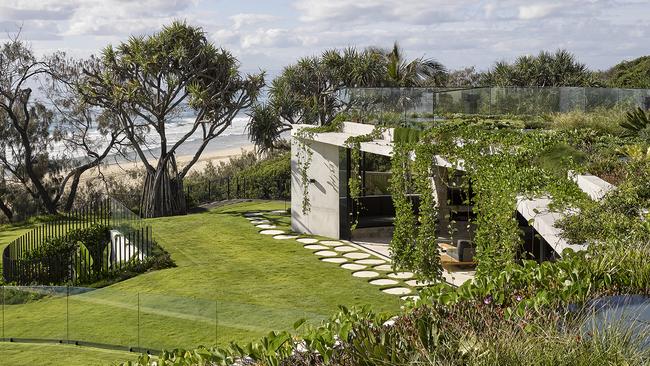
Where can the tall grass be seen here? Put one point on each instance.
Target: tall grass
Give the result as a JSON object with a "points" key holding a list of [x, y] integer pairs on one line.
{"points": [[605, 120]]}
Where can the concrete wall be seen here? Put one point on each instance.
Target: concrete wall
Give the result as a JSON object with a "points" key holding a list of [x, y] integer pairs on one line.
{"points": [[323, 215]]}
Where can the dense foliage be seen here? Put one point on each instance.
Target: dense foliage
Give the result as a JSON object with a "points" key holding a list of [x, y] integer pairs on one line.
{"points": [[630, 74], [247, 176], [546, 69]]}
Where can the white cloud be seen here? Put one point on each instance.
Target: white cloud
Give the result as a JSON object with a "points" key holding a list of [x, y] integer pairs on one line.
{"points": [[536, 11], [245, 19], [457, 32]]}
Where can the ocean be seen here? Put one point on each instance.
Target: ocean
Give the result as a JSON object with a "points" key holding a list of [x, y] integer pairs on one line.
{"points": [[233, 137]]}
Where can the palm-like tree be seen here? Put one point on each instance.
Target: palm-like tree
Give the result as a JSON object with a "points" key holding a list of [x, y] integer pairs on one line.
{"points": [[418, 72]]}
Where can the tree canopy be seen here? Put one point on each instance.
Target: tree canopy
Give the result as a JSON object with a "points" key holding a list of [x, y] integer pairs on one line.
{"points": [[546, 69], [32, 123], [148, 81], [630, 74]]}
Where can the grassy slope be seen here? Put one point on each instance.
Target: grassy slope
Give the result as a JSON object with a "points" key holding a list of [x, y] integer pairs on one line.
{"points": [[9, 233], [17, 354], [257, 283]]}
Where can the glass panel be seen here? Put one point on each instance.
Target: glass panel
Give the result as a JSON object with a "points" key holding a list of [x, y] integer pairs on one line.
{"points": [[34, 312], [103, 316], [168, 322]]}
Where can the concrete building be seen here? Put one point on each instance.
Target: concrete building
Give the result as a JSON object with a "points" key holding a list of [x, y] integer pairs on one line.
{"points": [[331, 211]]}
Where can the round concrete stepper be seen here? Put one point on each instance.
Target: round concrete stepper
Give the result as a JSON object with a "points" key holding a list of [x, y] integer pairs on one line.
{"points": [[271, 232], [397, 290], [401, 275], [417, 283], [258, 222], [307, 240], [383, 282], [285, 237], [383, 267], [334, 260], [356, 255], [371, 262], [352, 266], [326, 253], [345, 249], [365, 274], [315, 247], [411, 297], [332, 243], [279, 211], [265, 226], [252, 214]]}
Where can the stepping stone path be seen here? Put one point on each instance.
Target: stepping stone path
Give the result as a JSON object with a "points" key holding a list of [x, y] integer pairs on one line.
{"points": [[334, 260], [345, 249], [356, 255], [342, 252], [383, 282], [352, 266], [416, 283], [285, 237], [365, 274], [265, 226], [371, 262], [315, 247], [384, 267], [397, 291], [271, 232], [332, 243], [326, 253], [401, 275]]}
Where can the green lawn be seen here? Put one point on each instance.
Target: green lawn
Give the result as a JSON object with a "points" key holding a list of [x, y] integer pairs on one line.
{"points": [[22, 354], [245, 285]]}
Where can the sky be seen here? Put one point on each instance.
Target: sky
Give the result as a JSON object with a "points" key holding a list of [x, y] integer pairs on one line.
{"points": [[267, 35]]}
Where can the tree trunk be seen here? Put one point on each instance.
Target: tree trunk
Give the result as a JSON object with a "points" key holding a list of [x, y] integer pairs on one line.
{"points": [[6, 210], [163, 193]]}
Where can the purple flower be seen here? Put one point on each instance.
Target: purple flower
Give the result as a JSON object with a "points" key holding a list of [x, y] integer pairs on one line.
{"points": [[519, 298], [488, 300]]}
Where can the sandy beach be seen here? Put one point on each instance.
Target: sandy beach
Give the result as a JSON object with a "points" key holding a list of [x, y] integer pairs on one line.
{"points": [[216, 156]]}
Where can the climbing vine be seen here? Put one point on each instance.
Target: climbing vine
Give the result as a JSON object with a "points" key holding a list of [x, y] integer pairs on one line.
{"points": [[403, 243], [427, 264], [354, 181], [499, 164]]}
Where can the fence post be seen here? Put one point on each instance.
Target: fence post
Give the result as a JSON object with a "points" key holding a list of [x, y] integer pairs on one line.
{"points": [[67, 314], [3, 313], [138, 321]]}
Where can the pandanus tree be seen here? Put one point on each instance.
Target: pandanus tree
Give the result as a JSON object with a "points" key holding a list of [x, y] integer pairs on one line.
{"points": [[149, 81], [560, 68]]}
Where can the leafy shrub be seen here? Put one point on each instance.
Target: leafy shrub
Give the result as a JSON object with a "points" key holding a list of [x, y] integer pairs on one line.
{"points": [[245, 176]]}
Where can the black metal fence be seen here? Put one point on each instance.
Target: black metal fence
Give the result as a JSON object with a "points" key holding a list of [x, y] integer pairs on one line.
{"points": [[32, 258], [200, 192]]}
